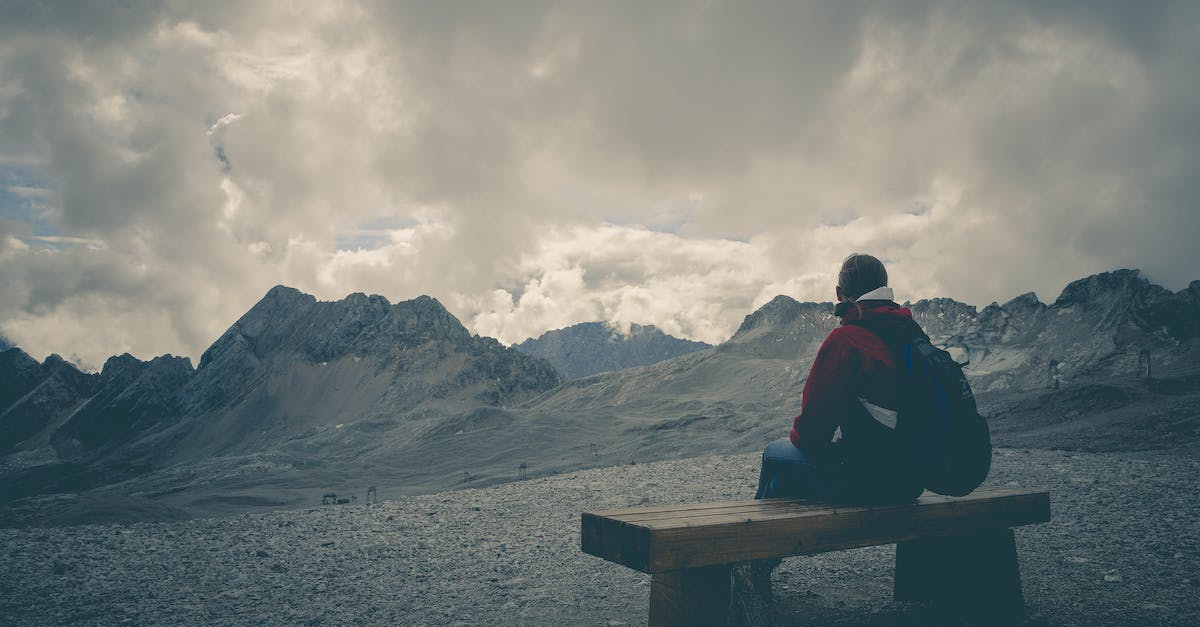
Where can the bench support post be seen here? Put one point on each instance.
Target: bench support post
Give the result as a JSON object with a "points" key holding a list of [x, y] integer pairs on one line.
{"points": [[696, 596], [973, 574]]}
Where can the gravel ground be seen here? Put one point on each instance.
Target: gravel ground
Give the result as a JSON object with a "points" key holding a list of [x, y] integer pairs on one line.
{"points": [[1123, 548]]}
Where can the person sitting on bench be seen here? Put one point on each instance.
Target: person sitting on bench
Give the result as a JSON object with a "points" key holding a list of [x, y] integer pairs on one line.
{"points": [[843, 446]]}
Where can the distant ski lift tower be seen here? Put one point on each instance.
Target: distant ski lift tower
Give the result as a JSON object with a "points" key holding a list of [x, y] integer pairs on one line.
{"points": [[372, 495], [521, 472], [1144, 364]]}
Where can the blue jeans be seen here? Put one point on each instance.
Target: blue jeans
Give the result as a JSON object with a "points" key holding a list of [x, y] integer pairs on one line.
{"points": [[788, 471]]}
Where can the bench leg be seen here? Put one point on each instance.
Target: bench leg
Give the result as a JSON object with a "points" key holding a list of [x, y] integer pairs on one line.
{"points": [[697, 596], [735, 595], [973, 574]]}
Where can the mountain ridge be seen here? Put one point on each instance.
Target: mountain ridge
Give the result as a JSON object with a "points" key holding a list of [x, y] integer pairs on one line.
{"points": [[589, 348], [291, 367], [300, 393]]}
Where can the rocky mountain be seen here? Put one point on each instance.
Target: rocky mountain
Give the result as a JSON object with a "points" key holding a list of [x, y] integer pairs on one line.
{"points": [[784, 328], [590, 347], [19, 374], [301, 397], [293, 364], [130, 398], [743, 392], [36, 397], [1116, 323], [293, 384]]}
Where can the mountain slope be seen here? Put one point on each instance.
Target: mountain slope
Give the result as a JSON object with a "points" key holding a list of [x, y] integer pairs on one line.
{"points": [[132, 397], [38, 396], [590, 347], [741, 394], [301, 397], [1103, 325], [292, 364], [296, 392]]}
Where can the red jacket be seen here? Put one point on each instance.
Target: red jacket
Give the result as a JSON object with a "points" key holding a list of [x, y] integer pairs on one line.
{"points": [[852, 363]]}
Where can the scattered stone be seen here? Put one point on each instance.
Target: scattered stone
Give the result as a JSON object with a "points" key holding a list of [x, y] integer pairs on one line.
{"points": [[517, 560]]}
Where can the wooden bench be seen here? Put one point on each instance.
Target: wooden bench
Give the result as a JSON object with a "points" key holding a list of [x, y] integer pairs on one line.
{"points": [[954, 552]]}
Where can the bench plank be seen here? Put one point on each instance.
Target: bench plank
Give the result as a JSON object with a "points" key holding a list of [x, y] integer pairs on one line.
{"points": [[660, 539], [668, 518]]}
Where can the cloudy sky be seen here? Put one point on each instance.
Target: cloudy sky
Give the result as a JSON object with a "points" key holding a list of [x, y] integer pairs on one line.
{"points": [[533, 165]]}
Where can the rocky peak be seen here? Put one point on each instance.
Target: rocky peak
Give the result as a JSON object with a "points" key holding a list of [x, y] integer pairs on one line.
{"points": [[280, 305], [1118, 285], [54, 362], [1125, 299], [35, 396], [783, 311], [992, 311], [15, 359], [169, 365], [991, 325], [19, 373], [288, 323], [642, 329], [1191, 293], [56, 366], [287, 328], [941, 317], [121, 369], [783, 329], [942, 308], [282, 295], [135, 396], [1019, 316], [588, 348], [425, 318], [1023, 303]]}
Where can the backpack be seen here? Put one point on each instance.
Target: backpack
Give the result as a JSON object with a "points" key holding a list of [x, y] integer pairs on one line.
{"points": [[942, 435]]}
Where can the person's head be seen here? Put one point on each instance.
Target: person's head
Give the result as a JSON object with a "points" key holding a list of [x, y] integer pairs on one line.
{"points": [[860, 274]]}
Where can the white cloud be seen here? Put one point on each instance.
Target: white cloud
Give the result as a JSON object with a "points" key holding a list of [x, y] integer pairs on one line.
{"points": [[688, 287], [537, 165]]}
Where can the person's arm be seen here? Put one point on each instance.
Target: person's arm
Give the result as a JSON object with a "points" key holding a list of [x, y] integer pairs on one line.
{"points": [[828, 391]]}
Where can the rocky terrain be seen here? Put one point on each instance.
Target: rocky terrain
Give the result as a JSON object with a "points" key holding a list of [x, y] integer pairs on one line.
{"points": [[285, 398], [1106, 414], [592, 347], [1123, 547], [1094, 396], [301, 398]]}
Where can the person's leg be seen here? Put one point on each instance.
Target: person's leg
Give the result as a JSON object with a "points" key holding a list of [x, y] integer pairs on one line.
{"points": [[785, 471], [788, 471]]}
